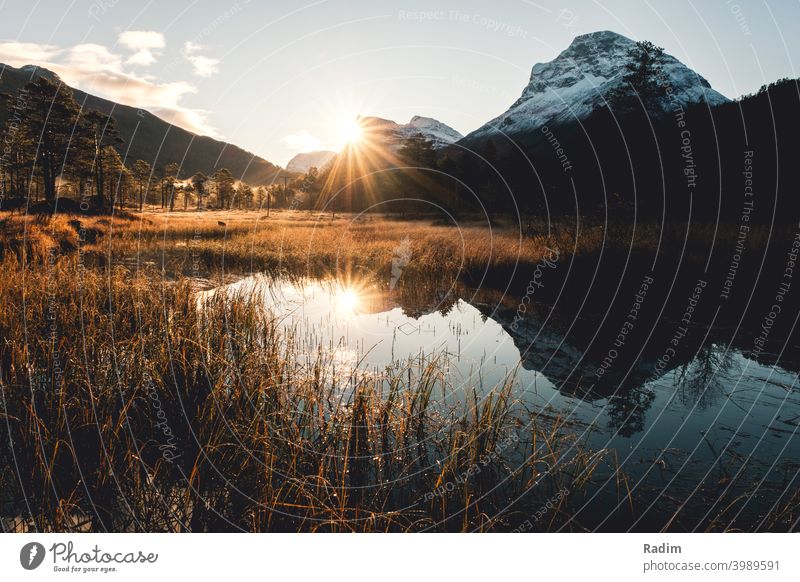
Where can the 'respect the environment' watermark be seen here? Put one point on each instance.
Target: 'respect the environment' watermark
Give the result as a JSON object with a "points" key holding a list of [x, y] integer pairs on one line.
{"points": [[748, 205]]}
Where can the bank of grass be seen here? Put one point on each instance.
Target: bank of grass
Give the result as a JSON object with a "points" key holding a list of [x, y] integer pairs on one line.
{"points": [[124, 407], [318, 245], [299, 242]]}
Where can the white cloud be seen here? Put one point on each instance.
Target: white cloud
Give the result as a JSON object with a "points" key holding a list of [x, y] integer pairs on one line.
{"points": [[191, 48], [144, 43], [95, 69], [90, 58], [302, 141], [202, 66], [183, 117], [29, 52]]}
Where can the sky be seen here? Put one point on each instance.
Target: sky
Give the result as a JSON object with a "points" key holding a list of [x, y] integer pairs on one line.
{"points": [[280, 77]]}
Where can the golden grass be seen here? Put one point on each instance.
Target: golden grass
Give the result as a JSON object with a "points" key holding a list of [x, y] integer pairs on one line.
{"points": [[297, 242], [315, 244], [124, 407], [100, 352]]}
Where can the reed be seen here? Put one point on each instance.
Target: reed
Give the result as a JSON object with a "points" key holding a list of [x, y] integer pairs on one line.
{"points": [[128, 406]]}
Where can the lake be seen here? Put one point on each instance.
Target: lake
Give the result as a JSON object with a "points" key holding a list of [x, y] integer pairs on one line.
{"points": [[682, 426]]}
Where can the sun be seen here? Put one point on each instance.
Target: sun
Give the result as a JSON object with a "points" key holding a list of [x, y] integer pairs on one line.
{"points": [[349, 131], [347, 300]]}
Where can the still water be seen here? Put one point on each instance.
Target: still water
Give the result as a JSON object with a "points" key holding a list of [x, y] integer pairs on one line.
{"points": [[714, 420]]}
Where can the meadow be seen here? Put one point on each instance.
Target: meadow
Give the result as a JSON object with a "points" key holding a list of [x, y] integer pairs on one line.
{"points": [[470, 249], [130, 409], [130, 405]]}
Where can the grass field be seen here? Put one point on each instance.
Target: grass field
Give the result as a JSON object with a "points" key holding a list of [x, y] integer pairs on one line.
{"points": [[131, 409], [301, 242], [137, 411]]}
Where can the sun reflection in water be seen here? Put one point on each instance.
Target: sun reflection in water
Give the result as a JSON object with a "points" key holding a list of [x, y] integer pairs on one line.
{"points": [[347, 300]]}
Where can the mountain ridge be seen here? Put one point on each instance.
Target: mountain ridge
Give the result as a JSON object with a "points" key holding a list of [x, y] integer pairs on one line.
{"points": [[577, 81], [439, 134], [304, 161], [152, 139]]}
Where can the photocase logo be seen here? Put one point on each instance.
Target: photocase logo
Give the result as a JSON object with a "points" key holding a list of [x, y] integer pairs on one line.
{"points": [[31, 555]]}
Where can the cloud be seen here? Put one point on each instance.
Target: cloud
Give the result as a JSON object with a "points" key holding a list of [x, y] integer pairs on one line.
{"points": [[28, 51], [90, 58], [182, 117], [302, 141], [93, 68], [144, 43], [202, 66]]}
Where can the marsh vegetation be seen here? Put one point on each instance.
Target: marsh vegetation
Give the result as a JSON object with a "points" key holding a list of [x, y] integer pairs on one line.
{"points": [[137, 398]]}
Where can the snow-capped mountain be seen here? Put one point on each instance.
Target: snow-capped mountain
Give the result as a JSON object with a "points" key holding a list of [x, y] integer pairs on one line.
{"points": [[391, 133], [576, 82], [303, 162], [385, 133], [436, 132]]}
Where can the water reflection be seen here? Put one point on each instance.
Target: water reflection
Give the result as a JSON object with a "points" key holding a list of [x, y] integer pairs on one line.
{"points": [[685, 417]]}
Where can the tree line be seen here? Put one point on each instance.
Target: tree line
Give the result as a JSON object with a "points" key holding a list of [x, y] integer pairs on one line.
{"points": [[53, 148]]}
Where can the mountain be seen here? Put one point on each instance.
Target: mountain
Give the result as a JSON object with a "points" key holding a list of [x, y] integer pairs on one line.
{"points": [[436, 132], [560, 150], [301, 163], [384, 133], [152, 139], [391, 133], [575, 84]]}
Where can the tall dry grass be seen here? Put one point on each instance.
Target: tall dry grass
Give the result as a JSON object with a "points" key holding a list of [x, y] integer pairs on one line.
{"points": [[125, 407], [297, 242]]}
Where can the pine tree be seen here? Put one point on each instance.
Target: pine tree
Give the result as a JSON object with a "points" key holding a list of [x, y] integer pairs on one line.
{"points": [[141, 173], [418, 152], [50, 121], [101, 135], [199, 181], [170, 177], [640, 79], [224, 182], [116, 177]]}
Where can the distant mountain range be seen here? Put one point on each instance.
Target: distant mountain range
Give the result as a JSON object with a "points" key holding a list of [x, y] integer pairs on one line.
{"points": [[149, 138], [390, 133], [436, 132], [562, 146], [303, 162], [383, 133]]}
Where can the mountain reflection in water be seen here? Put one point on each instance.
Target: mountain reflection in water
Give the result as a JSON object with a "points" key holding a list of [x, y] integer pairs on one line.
{"points": [[672, 421]]}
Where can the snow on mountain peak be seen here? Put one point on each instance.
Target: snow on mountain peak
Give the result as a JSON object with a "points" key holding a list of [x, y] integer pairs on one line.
{"points": [[439, 134], [578, 80], [435, 131], [305, 161]]}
